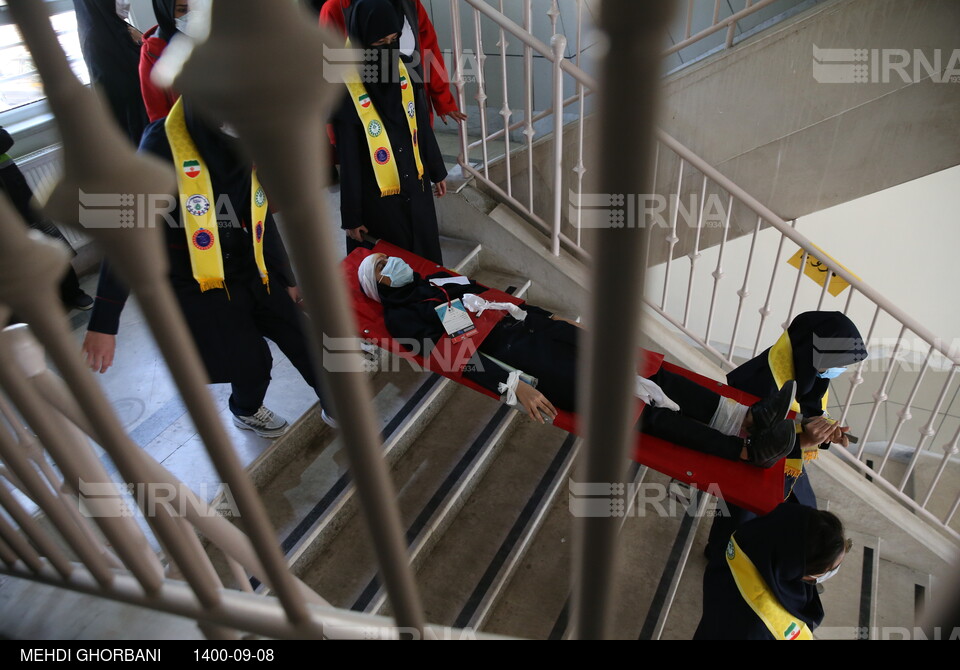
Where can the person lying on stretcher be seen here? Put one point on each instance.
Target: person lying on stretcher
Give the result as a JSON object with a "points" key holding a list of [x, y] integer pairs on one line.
{"points": [[530, 357]]}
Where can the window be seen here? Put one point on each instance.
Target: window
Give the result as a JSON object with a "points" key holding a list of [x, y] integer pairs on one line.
{"points": [[19, 82]]}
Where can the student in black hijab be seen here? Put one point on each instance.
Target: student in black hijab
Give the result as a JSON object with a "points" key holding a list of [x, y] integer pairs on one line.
{"points": [[113, 60], [817, 342], [378, 128], [792, 549], [816, 348], [15, 186], [231, 320]]}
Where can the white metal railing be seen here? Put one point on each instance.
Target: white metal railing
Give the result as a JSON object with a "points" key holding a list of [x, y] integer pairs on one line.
{"points": [[717, 24], [678, 172], [276, 118], [63, 414]]}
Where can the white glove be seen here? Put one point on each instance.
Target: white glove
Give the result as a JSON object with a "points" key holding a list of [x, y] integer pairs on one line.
{"points": [[478, 305], [653, 395]]}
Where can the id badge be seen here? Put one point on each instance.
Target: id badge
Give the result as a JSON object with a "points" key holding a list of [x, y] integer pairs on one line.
{"points": [[456, 320]]}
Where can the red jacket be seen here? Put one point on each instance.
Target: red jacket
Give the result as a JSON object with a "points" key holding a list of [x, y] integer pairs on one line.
{"points": [[437, 80], [158, 101]]}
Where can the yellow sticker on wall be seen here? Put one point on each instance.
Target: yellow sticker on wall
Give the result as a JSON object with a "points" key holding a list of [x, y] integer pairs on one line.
{"points": [[818, 271]]}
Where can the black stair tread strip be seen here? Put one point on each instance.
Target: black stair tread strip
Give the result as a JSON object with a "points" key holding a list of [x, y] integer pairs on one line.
{"points": [[560, 626], [563, 620], [866, 593], [670, 569], [516, 532], [335, 491], [341, 484], [448, 484], [318, 510]]}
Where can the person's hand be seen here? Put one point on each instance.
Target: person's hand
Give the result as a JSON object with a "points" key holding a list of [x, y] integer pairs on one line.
{"points": [[98, 350], [440, 189], [816, 432], [535, 402], [357, 233], [294, 292], [135, 35], [839, 435], [456, 115]]}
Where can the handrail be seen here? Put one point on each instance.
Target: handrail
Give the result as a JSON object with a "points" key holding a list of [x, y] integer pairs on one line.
{"points": [[717, 26], [724, 182], [802, 241], [527, 38], [689, 162]]}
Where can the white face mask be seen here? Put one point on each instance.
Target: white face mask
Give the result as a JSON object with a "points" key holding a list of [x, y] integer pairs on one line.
{"points": [[827, 575], [123, 9], [182, 22]]}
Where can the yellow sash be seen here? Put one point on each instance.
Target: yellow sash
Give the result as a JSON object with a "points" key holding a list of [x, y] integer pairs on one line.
{"points": [[381, 150], [781, 624], [780, 360], [198, 210]]}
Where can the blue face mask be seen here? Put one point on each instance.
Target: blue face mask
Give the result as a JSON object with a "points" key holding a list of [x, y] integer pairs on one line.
{"points": [[832, 373], [399, 273]]}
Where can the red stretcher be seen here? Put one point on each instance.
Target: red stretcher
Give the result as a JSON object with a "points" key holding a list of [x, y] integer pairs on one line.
{"points": [[756, 489]]}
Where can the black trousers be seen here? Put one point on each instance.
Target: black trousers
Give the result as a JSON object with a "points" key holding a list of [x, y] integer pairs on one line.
{"points": [[548, 350], [688, 427], [230, 329]]}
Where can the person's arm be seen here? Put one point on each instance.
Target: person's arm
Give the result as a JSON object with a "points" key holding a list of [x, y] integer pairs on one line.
{"points": [[351, 154], [435, 168], [275, 255], [435, 70], [484, 372], [331, 16], [100, 343]]}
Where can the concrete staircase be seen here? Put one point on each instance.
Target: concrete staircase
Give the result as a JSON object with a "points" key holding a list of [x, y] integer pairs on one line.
{"points": [[482, 492]]}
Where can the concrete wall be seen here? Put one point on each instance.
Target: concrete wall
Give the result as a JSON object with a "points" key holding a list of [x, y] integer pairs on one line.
{"points": [[761, 117]]}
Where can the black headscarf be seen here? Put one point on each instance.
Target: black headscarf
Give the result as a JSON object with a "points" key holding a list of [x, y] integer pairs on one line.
{"points": [[369, 21], [166, 19], [113, 60], [776, 544], [820, 340]]}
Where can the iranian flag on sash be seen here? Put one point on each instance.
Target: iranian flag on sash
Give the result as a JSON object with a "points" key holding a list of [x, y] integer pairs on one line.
{"points": [[192, 169], [365, 101]]}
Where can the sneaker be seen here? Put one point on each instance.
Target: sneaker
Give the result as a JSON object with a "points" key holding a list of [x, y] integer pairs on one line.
{"points": [[773, 409], [81, 301], [264, 423], [767, 447], [327, 419]]}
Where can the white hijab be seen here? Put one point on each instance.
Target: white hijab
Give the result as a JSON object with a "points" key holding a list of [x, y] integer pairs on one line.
{"points": [[367, 274]]}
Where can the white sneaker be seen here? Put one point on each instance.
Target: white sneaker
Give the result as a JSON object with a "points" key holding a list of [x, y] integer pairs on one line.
{"points": [[264, 423], [327, 419]]}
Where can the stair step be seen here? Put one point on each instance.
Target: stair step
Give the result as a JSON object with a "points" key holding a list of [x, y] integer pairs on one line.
{"points": [[536, 603], [292, 495], [323, 516], [458, 254], [465, 563], [344, 568]]}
